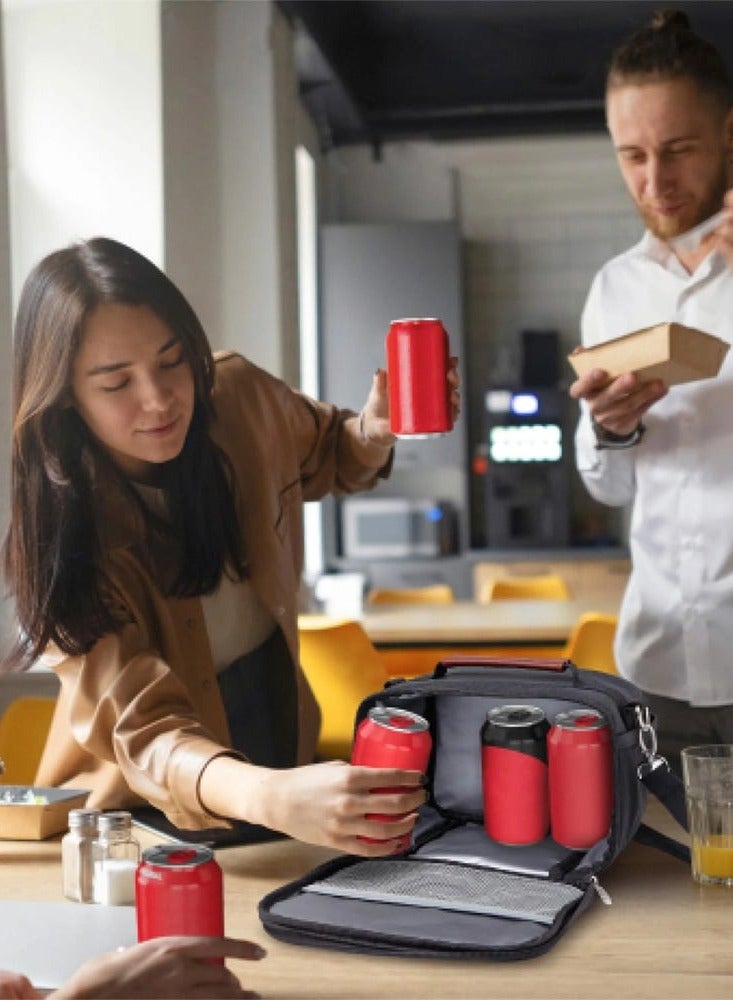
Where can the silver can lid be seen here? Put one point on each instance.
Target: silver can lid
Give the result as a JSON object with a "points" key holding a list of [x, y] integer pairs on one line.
{"points": [[580, 718], [515, 715], [398, 719], [177, 855]]}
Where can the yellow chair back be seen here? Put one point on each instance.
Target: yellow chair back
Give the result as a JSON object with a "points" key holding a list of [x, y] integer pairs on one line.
{"points": [[546, 586], [24, 727], [590, 644], [342, 667], [438, 593]]}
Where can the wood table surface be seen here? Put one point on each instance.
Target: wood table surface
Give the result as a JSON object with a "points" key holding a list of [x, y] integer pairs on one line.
{"points": [[471, 623], [663, 937]]}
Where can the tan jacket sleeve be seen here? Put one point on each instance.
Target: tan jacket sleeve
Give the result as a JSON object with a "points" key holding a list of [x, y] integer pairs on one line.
{"points": [[317, 440], [148, 717]]}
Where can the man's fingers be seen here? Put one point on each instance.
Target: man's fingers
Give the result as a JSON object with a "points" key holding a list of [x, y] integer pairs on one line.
{"points": [[215, 947]]}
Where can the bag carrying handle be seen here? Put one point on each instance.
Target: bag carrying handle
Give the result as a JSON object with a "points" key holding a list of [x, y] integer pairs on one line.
{"points": [[530, 663]]}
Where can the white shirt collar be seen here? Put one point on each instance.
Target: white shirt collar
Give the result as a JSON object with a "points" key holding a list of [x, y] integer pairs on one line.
{"points": [[651, 247]]}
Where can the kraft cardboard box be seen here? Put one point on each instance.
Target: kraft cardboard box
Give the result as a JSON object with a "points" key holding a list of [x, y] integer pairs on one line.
{"points": [[36, 820], [668, 351]]}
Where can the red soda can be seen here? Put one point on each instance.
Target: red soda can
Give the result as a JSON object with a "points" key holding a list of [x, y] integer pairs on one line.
{"points": [[178, 890], [417, 368], [581, 778], [392, 737], [514, 774]]}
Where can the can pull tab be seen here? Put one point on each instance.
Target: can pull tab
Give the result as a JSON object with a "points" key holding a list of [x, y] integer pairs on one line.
{"points": [[603, 895]]}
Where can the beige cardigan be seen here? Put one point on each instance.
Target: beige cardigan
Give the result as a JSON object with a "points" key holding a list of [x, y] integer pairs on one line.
{"points": [[139, 716]]}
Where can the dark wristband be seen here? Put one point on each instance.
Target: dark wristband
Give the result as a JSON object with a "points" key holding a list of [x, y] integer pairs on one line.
{"points": [[608, 440]]}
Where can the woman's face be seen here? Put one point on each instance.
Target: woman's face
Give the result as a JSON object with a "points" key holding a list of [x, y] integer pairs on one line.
{"points": [[133, 387]]}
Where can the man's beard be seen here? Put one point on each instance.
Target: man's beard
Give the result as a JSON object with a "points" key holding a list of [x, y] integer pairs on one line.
{"points": [[666, 227]]}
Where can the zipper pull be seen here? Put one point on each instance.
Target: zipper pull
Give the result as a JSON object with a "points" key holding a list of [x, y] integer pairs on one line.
{"points": [[603, 895]]}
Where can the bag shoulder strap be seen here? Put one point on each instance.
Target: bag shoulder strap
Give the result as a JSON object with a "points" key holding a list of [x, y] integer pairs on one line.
{"points": [[669, 789]]}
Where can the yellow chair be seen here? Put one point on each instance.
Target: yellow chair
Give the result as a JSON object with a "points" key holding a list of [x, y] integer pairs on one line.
{"points": [[342, 667], [590, 644], [438, 593], [547, 586], [24, 727]]}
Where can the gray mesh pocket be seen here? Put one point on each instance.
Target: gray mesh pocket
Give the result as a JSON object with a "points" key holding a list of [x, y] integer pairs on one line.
{"points": [[450, 887]]}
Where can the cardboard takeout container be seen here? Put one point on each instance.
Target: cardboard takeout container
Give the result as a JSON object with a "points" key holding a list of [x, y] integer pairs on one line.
{"points": [[24, 821], [668, 351]]}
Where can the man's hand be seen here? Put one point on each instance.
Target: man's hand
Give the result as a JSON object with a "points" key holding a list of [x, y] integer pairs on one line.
{"points": [[162, 968], [15, 986], [617, 405]]}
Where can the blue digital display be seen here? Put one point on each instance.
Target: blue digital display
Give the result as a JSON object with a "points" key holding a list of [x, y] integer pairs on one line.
{"points": [[525, 404], [434, 514]]}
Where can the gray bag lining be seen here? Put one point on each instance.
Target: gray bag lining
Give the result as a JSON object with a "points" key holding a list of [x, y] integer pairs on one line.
{"points": [[464, 888], [426, 925], [459, 718], [469, 845]]}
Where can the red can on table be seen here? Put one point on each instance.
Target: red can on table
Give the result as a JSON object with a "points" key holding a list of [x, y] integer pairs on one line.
{"points": [[417, 368], [392, 737], [178, 890], [514, 774], [581, 778]]}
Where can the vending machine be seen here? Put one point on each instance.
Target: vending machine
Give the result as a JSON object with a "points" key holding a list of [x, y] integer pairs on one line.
{"points": [[525, 468]]}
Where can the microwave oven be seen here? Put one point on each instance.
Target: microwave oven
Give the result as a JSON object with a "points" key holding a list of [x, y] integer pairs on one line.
{"points": [[396, 528]]}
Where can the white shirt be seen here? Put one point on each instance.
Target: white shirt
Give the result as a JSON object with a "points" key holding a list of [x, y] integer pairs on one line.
{"points": [[236, 621], [675, 635]]}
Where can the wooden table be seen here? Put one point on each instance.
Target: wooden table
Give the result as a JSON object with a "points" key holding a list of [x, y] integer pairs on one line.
{"points": [[664, 938], [467, 623]]}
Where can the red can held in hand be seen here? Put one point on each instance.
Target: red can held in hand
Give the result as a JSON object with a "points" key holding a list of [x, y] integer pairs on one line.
{"points": [[179, 890], [392, 737], [514, 774], [417, 369], [580, 763]]}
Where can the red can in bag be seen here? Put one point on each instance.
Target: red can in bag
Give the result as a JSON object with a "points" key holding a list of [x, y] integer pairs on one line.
{"points": [[179, 890], [392, 737], [581, 777], [514, 774], [417, 368]]}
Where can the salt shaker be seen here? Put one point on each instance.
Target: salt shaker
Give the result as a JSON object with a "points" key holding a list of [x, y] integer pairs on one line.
{"points": [[76, 855], [116, 854]]}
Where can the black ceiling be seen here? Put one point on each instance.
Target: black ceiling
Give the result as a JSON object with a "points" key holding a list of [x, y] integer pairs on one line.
{"points": [[375, 71]]}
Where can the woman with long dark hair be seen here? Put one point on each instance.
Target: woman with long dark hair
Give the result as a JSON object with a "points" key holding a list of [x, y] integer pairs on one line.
{"points": [[155, 551]]}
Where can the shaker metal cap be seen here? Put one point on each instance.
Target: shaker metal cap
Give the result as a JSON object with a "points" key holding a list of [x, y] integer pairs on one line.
{"points": [[117, 820], [83, 817]]}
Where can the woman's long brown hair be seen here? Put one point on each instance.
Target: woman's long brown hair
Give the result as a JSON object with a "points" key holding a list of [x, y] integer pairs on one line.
{"points": [[52, 554]]}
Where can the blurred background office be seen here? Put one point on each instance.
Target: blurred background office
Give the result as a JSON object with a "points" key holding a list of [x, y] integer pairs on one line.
{"points": [[307, 172]]}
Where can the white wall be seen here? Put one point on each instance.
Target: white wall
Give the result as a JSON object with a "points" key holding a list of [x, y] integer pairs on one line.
{"points": [[83, 111], [232, 120]]}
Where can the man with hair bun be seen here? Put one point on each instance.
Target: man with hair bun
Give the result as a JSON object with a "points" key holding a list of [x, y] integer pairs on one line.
{"points": [[669, 454]]}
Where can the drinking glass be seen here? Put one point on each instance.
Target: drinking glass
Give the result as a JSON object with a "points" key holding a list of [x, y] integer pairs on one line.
{"points": [[708, 776]]}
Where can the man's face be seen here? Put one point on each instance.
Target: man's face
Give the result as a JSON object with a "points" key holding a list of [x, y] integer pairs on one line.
{"points": [[673, 148]]}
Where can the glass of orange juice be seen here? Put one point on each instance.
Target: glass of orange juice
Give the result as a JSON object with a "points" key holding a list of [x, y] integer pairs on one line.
{"points": [[708, 777]]}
